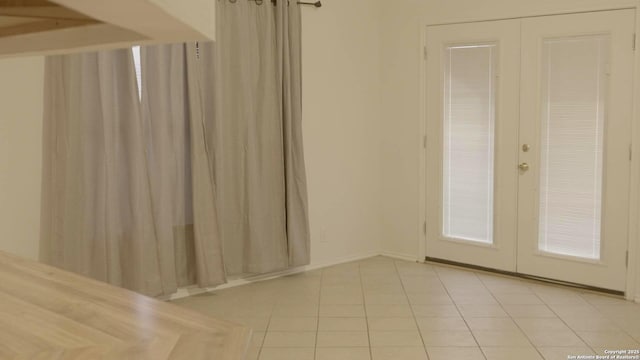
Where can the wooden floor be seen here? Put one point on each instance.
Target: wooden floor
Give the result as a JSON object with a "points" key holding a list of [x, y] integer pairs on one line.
{"points": [[46, 313]]}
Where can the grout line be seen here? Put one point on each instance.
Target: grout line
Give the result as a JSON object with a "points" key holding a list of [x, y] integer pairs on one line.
{"points": [[315, 348], [458, 309], [266, 330], [364, 306], [609, 318], [606, 317], [511, 317], [415, 320]]}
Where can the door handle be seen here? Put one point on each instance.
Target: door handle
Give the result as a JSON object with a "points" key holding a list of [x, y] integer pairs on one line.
{"points": [[524, 167]]}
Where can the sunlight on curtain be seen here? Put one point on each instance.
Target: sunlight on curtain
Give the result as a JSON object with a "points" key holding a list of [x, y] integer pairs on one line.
{"points": [[138, 66]]}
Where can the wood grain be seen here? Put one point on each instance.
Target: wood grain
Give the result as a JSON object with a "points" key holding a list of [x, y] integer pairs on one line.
{"points": [[47, 313]]}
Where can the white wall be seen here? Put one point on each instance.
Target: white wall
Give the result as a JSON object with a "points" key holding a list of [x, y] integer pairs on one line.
{"points": [[402, 26], [21, 87], [342, 114]]}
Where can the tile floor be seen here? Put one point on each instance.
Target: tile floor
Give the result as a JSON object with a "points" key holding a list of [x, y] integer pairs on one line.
{"points": [[385, 309]]}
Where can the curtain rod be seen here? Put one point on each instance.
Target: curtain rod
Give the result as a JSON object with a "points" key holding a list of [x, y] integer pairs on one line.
{"points": [[316, 4], [259, 2]]}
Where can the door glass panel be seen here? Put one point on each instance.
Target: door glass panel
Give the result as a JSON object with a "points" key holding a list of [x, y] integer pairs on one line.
{"points": [[574, 93], [468, 139]]}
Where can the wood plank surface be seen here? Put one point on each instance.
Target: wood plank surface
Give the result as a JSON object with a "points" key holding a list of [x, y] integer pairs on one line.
{"points": [[47, 313]]}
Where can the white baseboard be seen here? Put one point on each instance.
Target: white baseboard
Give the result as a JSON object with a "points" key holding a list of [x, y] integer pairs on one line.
{"points": [[400, 256], [234, 282]]}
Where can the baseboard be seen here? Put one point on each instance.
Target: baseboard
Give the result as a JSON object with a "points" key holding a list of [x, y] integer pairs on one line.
{"points": [[235, 282], [400, 256]]}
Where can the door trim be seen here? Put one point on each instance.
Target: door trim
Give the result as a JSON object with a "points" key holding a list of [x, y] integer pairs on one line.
{"points": [[633, 269]]}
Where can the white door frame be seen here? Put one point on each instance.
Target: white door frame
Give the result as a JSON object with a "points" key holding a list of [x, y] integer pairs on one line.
{"points": [[633, 271]]}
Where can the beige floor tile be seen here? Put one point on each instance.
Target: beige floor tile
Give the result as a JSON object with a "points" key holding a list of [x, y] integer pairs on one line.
{"points": [[609, 340], [342, 324], [529, 311], [575, 311], [455, 353], [510, 287], [352, 353], [562, 353], [395, 339], [392, 324], [429, 299], [541, 324], [421, 285], [507, 317], [470, 299], [546, 338], [397, 353], [347, 298], [333, 289], [563, 298], [295, 310], [629, 323], [451, 338], [256, 324], [287, 354], [435, 310], [619, 310], [441, 323], [597, 299], [344, 280], [293, 324], [286, 298], [343, 339], [342, 310], [386, 299], [482, 311], [290, 339], [383, 288], [511, 353], [518, 299], [488, 323], [591, 323], [492, 338], [389, 311]]}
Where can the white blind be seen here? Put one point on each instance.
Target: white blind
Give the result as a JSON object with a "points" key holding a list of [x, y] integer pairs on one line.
{"points": [[574, 92], [468, 139]]}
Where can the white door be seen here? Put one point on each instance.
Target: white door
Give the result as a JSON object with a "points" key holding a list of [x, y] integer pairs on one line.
{"points": [[575, 120], [471, 136], [528, 137]]}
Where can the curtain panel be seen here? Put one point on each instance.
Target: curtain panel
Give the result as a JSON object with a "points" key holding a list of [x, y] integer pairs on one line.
{"points": [[200, 177]]}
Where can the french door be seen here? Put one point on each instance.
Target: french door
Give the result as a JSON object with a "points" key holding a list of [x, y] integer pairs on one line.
{"points": [[528, 138]]}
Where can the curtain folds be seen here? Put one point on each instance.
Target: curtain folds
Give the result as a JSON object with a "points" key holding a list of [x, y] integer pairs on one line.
{"points": [[254, 123], [201, 177], [96, 205]]}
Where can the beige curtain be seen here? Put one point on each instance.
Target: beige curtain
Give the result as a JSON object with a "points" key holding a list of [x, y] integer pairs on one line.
{"points": [[124, 198], [149, 193], [252, 85], [180, 177]]}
